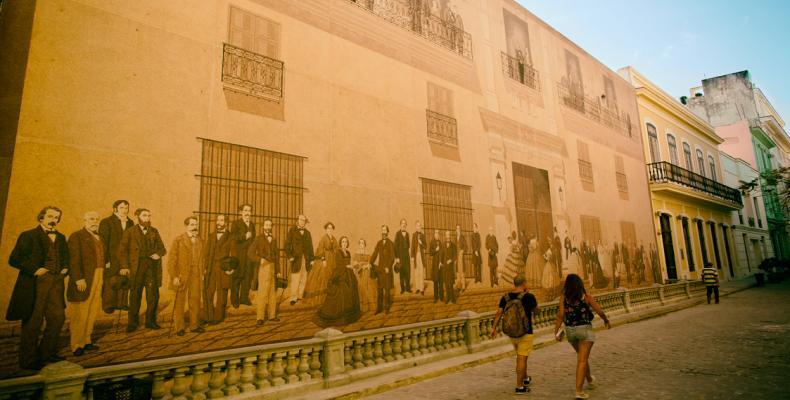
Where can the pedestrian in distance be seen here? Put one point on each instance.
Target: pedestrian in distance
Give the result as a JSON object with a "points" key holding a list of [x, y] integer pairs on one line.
{"points": [[515, 311], [710, 277], [576, 312]]}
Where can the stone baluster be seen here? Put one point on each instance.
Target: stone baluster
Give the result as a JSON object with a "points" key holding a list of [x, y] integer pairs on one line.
{"points": [[247, 374], [199, 383], [446, 337], [406, 344], [387, 349], [431, 339], [627, 301], [378, 353], [439, 338], [369, 362], [278, 369], [315, 363], [397, 346], [216, 380], [232, 378], [453, 336], [357, 356], [348, 356], [423, 342], [291, 367], [415, 343], [304, 365], [262, 372], [158, 388]]}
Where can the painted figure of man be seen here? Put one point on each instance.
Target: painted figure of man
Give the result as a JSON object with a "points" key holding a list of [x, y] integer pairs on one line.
{"points": [[140, 253], [477, 259], [86, 273], [299, 250], [42, 257], [220, 266], [185, 267], [402, 244], [568, 245], [493, 263], [436, 267], [115, 289], [243, 233], [462, 249], [265, 253], [385, 255], [449, 257], [419, 246]]}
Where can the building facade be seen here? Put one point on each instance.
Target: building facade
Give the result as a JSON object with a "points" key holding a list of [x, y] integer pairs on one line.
{"points": [[754, 132], [691, 201], [456, 114]]}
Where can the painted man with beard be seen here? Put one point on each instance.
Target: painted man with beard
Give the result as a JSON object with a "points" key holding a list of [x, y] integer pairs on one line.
{"points": [[140, 252], [299, 249], [436, 267], [185, 268], [449, 257], [220, 266], [493, 263], [477, 259], [385, 255], [402, 244], [86, 272], [243, 233], [265, 252], [115, 290], [42, 257]]}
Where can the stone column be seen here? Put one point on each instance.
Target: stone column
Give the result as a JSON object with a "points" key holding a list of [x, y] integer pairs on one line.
{"points": [[471, 329], [63, 381], [333, 357]]}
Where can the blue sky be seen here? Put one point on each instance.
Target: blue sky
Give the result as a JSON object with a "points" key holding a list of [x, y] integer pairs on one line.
{"points": [[677, 43]]}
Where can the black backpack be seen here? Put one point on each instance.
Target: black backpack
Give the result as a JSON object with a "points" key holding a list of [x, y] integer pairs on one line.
{"points": [[514, 318]]}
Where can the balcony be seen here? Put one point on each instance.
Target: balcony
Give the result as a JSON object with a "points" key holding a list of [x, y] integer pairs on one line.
{"points": [[674, 176], [252, 73], [520, 72], [446, 32], [441, 128], [572, 96]]}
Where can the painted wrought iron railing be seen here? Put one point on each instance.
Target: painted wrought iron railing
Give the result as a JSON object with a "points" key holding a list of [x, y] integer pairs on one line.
{"points": [[622, 182], [572, 96], [663, 172], [251, 73], [441, 128], [586, 170], [520, 72], [443, 31]]}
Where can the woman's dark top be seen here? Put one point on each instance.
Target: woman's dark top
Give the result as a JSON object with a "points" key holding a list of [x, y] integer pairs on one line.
{"points": [[577, 314]]}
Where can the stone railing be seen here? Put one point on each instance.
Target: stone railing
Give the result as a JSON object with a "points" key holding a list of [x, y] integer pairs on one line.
{"points": [[332, 358]]}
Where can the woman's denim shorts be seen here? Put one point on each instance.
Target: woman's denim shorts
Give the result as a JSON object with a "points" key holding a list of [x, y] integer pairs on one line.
{"points": [[580, 333]]}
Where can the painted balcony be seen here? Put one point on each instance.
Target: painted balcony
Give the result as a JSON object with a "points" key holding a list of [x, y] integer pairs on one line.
{"points": [[251, 73], [441, 128]]}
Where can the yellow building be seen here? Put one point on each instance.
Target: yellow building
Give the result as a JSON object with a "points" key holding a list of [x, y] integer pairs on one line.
{"points": [[692, 207]]}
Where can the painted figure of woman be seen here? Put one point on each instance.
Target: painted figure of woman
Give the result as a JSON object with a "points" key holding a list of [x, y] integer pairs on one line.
{"points": [[317, 278], [365, 282], [550, 278], [535, 264], [514, 264], [341, 304]]}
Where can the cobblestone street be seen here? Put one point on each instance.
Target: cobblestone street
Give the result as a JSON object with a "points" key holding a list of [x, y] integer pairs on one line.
{"points": [[737, 349]]}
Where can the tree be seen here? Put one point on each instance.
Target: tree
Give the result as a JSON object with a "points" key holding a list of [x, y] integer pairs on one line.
{"points": [[775, 181]]}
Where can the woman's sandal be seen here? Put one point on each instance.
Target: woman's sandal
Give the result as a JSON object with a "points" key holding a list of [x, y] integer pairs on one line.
{"points": [[582, 395], [592, 383]]}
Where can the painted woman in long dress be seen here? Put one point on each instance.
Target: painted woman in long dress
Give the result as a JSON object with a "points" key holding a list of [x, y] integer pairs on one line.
{"points": [[366, 283], [317, 278], [341, 304], [535, 264], [550, 278], [514, 266]]}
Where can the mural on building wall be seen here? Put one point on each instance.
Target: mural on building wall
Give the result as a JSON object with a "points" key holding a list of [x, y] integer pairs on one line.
{"points": [[517, 37]]}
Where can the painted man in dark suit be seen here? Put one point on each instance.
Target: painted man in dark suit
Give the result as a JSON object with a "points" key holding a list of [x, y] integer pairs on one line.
{"points": [[115, 288], [299, 249], [141, 251], [86, 274], [436, 269], [42, 257], [220, 267], [449, 257], [477, 259], [568, 245], [385, 255], [242, 232], [402, 244], [493, 262]]}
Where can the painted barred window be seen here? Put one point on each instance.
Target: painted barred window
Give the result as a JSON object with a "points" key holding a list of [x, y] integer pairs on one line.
{"points": [[591, 229], [585, 167], [231, 175], [444, 206]]}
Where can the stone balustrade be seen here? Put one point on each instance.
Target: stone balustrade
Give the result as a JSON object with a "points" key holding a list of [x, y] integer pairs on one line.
{"points": [[332, 358]]}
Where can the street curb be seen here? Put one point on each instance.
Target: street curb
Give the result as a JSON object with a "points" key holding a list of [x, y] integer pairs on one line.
{"points": [[544, 337]]}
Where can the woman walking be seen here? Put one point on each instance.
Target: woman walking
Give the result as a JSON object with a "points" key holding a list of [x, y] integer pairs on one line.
{"points": [[575, 310]]}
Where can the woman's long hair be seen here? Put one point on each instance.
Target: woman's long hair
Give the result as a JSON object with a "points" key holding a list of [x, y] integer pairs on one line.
{"points": [[573, 290]]}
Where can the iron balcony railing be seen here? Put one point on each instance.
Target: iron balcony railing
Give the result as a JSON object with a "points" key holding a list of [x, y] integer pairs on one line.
{"points": [[572, 96], [252, 73], [520, 72], [663, 172], [441, 128]]}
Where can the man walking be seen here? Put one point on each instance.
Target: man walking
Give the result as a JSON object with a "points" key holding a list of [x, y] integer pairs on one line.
{"points": [[140, 253], [711, 279], [402, 244], [243, 233], [385, 254], [515, 310], [115, 289], [264, 253], [299, 250], [42, 257], [220, 266], [86, 273], [449, 256], [185, 267], [493, 248]]}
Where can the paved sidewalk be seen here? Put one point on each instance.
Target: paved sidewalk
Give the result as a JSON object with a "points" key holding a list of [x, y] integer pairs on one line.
{"points": [[737, 349]]}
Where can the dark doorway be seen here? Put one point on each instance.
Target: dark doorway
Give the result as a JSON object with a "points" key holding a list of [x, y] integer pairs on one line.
{"points": [[669, 249], [702, 246], [726, 238], [715, 245], [687, 240], [533, 202]]}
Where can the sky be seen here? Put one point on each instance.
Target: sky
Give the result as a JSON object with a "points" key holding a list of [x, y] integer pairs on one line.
{"points": [[677, 43]]}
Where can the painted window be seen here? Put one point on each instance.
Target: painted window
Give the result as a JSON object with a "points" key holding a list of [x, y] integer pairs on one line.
{"points": [[254, 33], [687, 156], [673, 149], [622, 179], [701, 162], [591, 229], [652, 139], [585, 166]]}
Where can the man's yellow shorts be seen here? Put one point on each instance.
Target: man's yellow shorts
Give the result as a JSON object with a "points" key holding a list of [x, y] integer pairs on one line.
{"points": [[522, 345]]}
